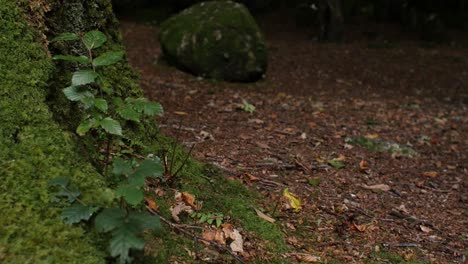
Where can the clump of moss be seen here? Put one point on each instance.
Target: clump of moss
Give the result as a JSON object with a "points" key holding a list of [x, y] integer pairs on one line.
{"points": [[383, 145]]}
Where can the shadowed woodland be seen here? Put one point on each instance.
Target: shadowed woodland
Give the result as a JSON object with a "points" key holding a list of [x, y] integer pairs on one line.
{"points": [[262, 131]]}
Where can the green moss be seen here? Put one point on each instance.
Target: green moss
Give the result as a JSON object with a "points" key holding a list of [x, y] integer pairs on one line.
{"points": [[221, 195], [383, 145], [390, 257], [217, 39], [33, 149]]}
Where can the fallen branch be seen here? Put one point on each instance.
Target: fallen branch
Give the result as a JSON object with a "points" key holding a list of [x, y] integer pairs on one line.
{"points": [[180, 229]]}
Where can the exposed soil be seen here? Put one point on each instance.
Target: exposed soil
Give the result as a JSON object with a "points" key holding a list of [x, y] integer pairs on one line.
{"points": [[314, 97]]}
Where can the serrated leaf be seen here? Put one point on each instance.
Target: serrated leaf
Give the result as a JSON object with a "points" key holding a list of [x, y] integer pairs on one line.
{"points": [[94, 39], [124, 239], [152, 108], [75, 93], [108, 58], [80, 59], [147, 168], [83, 77], [128, 113], [121, 167], [66, 37], [132, 194], [85, 126], [88, 102], [76, 213], [336, 164], [109, 219], [59, 181], [111, 126], [101, 104], [145, 221]]}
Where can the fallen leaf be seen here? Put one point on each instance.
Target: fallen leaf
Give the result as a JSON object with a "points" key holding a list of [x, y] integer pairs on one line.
{"points": [[251, 177], [408, 256], [181, 113], [262, 145], [371, 136], [159, 192], [237, 245], [363, 166], [214, 235], [256, 121], [303, 136], [425, 229], [314, 181], [293, 200], [377, 187], [341, 157], [178, 209], [308, 258], [431, 174], [189, 199], [151, 203], [360, 228], [293, 241], [291, 226], [336, 164], [264, 216]]}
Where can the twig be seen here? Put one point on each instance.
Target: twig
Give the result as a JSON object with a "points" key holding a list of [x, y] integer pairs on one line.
{"points": [[400, 245], [187, 233], [184, 161]]}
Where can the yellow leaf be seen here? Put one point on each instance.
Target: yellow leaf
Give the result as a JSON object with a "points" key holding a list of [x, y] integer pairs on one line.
{"points": [[371, 136], [293, 200], [431, 174]]}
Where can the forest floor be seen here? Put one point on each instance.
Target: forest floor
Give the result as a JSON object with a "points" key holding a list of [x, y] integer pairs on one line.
{"points": [[371, 135]]}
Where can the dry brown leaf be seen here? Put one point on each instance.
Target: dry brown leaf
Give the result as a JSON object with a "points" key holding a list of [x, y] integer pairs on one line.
{"points": [[251, 177], [408, 256], [264, 216], [291, 226], [178, 209], [178, 196], [180, 113], [371, 136], [307, 258], [262, 145], [360, 228], [217, 236], [363, 165], [425, 229], [431, 174], [237, 245], [159, 192], [377, 187], [151, 203], [293, 241], [341, 157], [189, 199]]}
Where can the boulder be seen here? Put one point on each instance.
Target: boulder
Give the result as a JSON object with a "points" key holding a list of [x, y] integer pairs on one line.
{"points": [[217, 39]]}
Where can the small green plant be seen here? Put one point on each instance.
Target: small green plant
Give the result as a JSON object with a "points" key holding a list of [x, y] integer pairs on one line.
{"points": [[209, 218], [102, 113], [247, 107]]}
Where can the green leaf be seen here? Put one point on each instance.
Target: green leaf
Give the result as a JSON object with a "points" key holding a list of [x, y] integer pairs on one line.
{"points": [[66, 37], [123, 239], [145, 221], [80, 59], [88, 102], [152, 108], [111, 126], [108, 58], [336, 164], [128, 113], [59, 181], [83, 77], [85, 126], [75, 93], [121, 167], [101, 104], [247, 107], [94, 39], [132, 194], [219, 221], [147, 168], [109, 219], [77, 212], [314, 181]]}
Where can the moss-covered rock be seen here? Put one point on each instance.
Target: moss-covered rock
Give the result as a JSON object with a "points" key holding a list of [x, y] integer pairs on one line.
{"points": [[218, 39], [33, 150]]}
